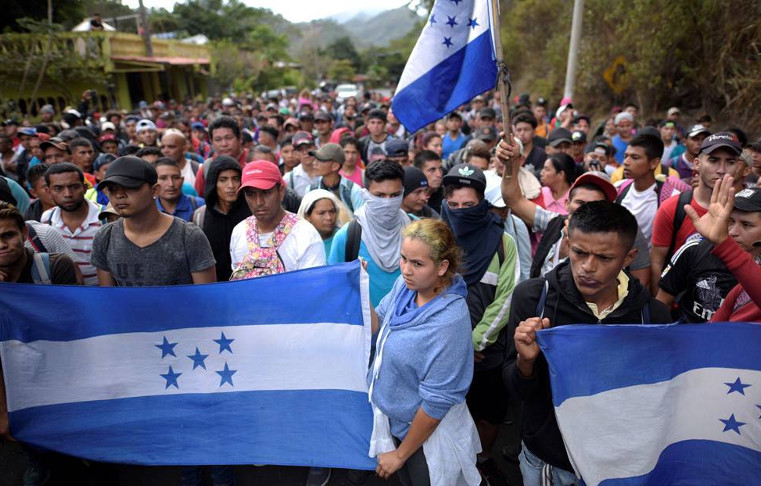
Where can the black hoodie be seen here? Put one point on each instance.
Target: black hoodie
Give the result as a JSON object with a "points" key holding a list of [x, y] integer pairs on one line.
{"points": [[218, 227], [564, 305]]}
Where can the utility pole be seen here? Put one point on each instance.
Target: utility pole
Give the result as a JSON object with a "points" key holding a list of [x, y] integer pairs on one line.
{"points": [[573, 49], [146, 31]]}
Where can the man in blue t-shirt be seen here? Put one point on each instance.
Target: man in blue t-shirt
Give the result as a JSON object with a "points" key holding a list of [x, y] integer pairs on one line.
{"points": [[381, 220], [454, 139]]}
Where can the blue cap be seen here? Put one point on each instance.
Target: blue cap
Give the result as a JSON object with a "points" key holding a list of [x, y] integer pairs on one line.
{"points": [[29, 131], [397, 148], [198, 126]]}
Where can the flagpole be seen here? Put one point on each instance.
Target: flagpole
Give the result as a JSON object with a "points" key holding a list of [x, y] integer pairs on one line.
{"points": [[503, 74]]}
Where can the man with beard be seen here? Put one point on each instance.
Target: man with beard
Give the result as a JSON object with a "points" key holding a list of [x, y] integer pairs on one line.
{"points": [[75, 217], [225, 208]]}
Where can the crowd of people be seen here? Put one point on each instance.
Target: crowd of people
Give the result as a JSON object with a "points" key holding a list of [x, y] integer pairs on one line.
{"points": [[473, 240]]}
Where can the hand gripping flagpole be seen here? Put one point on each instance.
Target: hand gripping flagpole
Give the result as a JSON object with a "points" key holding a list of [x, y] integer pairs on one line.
{"points": [[504, 83]]}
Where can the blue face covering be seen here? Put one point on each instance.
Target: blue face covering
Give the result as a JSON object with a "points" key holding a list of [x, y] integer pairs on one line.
{"points": [[478, 232]]}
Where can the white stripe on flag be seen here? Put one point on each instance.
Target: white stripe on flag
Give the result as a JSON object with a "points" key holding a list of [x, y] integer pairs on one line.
{"points": [[622, 432], [316, 356]]}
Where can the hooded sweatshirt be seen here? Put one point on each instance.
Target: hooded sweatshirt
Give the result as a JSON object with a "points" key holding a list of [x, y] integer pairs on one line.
{"points": [[564, 305], [217, 226], [427, 358]]}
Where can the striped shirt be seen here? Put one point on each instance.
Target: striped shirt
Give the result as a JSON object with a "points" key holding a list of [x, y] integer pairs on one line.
{"points": [[80, 239]]}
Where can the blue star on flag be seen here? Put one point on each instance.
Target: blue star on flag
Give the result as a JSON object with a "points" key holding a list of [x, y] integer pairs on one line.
{"points": [[472, 23], [451, 21], [732, 424], [171, 378], [433, 19], [447, 42], [166, 348], [226, 375], [198, 359], [759, 407], [737, 386], [456, 2], [224, 343]]}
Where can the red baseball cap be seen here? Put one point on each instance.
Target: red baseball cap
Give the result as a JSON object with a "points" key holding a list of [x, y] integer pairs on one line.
{"points": [[604, 185], [261, 174]]}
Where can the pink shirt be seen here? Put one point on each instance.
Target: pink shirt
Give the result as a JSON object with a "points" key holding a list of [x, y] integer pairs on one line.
{"points": [[554, 205], [356, 177]]}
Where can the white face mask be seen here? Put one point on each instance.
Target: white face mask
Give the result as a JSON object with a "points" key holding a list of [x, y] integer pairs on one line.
{"points": [[383, 211]]}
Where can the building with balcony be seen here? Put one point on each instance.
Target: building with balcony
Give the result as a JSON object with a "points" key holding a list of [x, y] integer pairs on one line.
{"points": [[115, 64]]}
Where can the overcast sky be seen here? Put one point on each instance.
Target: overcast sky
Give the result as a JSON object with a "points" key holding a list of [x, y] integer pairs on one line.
{"points": [[293, 10]]}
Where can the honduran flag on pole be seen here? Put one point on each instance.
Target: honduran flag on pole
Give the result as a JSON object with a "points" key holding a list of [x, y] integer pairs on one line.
{"points": [[264, 371], [452, 62], [656, 405]]}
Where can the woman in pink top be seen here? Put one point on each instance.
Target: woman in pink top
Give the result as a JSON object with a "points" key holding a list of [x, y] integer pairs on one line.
{"points": [[352, 169], [557, 177]]}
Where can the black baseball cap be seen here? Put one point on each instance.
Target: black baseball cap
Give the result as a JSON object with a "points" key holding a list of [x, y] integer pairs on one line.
{"points": [[129, 171], [578, 137], [721, 139], [748, 199], [466, 175], [558, 136], [487, 113], [323, 116]]}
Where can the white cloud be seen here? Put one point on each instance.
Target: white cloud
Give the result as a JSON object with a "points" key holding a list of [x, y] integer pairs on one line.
{"points": [[293, 10]]}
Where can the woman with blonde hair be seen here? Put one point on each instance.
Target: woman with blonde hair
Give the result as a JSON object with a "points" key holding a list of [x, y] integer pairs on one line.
{"points": [[423, 366]]}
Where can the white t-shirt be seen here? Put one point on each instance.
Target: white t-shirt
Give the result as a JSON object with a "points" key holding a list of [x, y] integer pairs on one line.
{"points": [[643, 206], [302, 248], [187, 173]]}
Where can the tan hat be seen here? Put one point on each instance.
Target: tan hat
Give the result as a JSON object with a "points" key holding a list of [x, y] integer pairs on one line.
{"points": [[329, 152]]}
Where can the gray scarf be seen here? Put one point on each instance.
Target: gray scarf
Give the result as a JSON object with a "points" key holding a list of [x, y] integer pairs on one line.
{"points": [[382, 221]]}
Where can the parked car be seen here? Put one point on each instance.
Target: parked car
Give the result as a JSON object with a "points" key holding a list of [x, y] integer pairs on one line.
{"points": [[344, 91]]}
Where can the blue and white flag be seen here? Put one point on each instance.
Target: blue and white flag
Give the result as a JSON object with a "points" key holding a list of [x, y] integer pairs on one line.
{"points": [[673, 404], [263, 371], [452, 62]]}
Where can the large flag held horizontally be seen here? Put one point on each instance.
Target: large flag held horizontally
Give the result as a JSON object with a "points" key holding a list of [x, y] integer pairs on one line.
{"points": [[452, 62], [674, 404], [263, 371]]}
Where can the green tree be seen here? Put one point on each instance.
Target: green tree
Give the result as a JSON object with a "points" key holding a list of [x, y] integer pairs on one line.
{"points": [[341, 70], [343, 48]]}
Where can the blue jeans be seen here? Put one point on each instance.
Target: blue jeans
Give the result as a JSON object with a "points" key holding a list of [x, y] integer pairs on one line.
{"points": [[220, 476], [531, 470]]}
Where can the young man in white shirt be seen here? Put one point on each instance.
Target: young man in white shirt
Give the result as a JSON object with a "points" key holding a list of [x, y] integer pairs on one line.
{"points": [[272, 240]]}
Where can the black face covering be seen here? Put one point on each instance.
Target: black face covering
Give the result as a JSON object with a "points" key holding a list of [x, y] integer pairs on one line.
{"points": [[478, 232]]}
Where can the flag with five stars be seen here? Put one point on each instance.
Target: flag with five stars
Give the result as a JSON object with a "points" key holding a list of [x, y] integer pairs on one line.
{"points": [[669, 404], [453, 61], [264, 371]]}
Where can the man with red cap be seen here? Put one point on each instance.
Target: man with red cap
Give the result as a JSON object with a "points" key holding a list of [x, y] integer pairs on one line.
{"points": [[272, 240]]}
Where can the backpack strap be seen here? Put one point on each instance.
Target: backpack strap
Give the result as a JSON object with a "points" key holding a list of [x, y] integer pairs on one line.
{"points": [[684, 199], [193, 202], [346, 194], [623, 191], [199, 217], [41, 273], [542, 299], [501, 251], [34, 239], [353, 239]]}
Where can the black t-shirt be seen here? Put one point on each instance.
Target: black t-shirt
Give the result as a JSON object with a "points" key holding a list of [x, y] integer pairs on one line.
{"points": [[698, 280], [61, 269], [535, 160]]}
